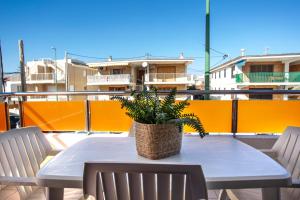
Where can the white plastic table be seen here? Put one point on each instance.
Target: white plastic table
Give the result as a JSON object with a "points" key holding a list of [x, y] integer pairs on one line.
{"points": [[227, 163]]}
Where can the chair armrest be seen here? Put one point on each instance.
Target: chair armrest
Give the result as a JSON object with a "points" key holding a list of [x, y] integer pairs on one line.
{"points": [[15, 181], [54, 152], [269, 152]]}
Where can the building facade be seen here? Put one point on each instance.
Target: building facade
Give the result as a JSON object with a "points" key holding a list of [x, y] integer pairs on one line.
{"points": [[133, 74], [259, 72], [46, 75]]}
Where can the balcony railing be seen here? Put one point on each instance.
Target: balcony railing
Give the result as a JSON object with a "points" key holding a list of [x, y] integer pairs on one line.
{"points": [[169, 77], [231, 116], [108, 79], [39, 77], [268, 77], [294, 76]]}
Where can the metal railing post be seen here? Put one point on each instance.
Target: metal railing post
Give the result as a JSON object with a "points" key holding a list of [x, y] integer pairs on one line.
{"points": [[87, 116], [7, 116], [234, 117], [21, 113]]}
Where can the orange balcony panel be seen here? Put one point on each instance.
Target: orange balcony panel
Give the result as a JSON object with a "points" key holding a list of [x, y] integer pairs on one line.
{"points": [[3, 117], [108, 116], [268, 116], [55, 116], [214, 115]]}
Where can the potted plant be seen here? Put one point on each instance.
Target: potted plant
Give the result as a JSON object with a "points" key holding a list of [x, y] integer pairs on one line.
{"points": [[158, 122]]}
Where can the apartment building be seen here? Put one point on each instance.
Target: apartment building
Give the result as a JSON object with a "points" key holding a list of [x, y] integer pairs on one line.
{"points": [[47, 75], [123, 75], [272, 72]]}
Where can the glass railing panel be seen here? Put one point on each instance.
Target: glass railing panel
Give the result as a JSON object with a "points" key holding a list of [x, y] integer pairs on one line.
{"points": [[215, 115], [108, 116], [294, 76], [55, 116], [3, 117], [267, 116], [254, 116], [261, 77]]}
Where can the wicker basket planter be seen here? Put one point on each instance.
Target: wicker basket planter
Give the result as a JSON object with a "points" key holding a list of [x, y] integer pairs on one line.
{"points": [[156, 141]]}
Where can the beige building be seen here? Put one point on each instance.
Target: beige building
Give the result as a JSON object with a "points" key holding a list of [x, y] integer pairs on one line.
{"points": [[268, 72], [46, 75], [133, 74]]}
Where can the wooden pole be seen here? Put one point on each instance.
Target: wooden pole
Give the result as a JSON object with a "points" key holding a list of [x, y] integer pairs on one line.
{"points": [[22, 68], [2, 88]]}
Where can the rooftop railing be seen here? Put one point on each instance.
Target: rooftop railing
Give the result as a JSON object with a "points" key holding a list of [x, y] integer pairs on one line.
{"points": [[268, 77]]}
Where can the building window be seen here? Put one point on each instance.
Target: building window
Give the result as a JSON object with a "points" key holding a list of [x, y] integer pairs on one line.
{"points": [[224, 73], [261, 68], [232, 72], [219, 74], [117, 71]]}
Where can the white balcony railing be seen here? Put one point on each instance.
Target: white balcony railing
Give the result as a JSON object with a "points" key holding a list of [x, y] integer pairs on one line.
{"points": [[38, 77], [168, 78], [113, 79], [41, 77]]}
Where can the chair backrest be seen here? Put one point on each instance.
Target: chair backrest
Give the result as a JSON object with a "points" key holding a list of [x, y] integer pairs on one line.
{"points": [[287, 148], [21, 153], [133, 181]]}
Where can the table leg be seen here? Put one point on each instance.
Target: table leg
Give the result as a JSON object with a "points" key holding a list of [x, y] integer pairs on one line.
{"points": [[55, 193], [271, 193]]}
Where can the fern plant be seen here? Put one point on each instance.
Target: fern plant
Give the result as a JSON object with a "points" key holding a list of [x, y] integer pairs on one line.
{"points": [[146, 107]]}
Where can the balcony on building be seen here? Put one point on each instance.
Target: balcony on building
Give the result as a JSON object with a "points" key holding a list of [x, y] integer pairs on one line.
{"points": [[113, 79], [169, 78], [36, 78], [269, 77]]}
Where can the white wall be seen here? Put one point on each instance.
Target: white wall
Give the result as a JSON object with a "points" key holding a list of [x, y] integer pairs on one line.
{"points": [[222, 80]]}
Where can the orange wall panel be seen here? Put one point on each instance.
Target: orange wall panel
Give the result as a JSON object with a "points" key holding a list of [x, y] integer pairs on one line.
{"points": [[108, 116], [55, 116], [3, 117], [214, 115], [267, 116]]}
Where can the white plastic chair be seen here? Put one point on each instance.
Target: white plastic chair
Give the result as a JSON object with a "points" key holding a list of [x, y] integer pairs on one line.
{"points": [[132, 181]]}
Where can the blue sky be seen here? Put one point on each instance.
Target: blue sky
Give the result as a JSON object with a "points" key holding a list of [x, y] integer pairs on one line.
{"points": [[134, 27]]}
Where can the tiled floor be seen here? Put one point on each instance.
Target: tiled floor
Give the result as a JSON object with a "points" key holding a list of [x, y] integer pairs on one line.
{"points": [[213, 194], [11, 194]]}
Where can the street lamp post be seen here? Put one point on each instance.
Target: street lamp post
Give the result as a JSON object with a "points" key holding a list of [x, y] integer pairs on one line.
{"points": [[207, 48], [55, 76]]}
